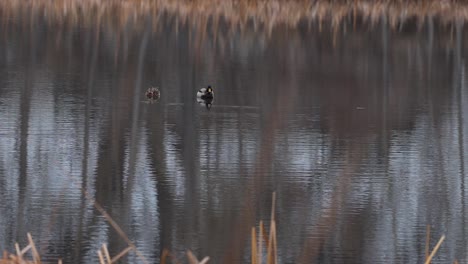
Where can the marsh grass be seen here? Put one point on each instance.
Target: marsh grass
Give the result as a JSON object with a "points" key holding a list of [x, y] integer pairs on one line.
{"points": [[105, 258], [263, 248], [428, 257], [262, 14], [21, 254], [260, 240], [20, 257]]}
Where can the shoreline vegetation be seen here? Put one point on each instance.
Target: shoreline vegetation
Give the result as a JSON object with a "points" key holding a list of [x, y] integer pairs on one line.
{"points": [[262, 14]]}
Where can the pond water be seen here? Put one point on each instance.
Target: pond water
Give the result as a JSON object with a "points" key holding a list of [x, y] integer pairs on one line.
{"points": [[360, 132]]}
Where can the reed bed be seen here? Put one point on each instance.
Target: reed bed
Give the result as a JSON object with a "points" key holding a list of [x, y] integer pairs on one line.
{"points": [[264, 14], [20, 257], [264, 248], [260, 240]]}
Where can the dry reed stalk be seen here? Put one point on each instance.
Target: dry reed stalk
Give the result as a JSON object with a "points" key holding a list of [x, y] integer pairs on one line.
{"points": [[270, 241], [254, 253], [270, 246], [101, 258], [428, 237], [105, 258], [193, 260], [121, 254], [434, 251], [24, 250], [18, 258], [35, 253], [106, 253], [114, 225], [204, 260], [275, 244], [271, 252], [18, 251], [261, 236], [273, 205], [164, 255]]}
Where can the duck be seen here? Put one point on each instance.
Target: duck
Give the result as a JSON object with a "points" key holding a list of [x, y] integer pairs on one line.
{"points": [[153, 93], [206, 93]]}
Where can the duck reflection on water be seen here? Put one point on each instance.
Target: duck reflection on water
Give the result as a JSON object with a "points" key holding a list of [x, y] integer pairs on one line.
{"points": [[206, 102]]}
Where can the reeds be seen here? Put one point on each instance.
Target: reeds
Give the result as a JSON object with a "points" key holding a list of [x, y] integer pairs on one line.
{"points": [[20, 256], [105, 258], [259, 240], [103, 253], [428, 257], [193, 260], [263, 14], [434, 251]]}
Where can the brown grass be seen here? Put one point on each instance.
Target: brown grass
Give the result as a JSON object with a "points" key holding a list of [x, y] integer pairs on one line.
{"points": [[263, 14], [258, 241], [434, 251], [20, 256]]}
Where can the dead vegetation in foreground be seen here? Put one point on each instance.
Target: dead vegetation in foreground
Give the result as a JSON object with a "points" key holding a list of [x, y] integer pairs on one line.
{"points": [[263, 247]]}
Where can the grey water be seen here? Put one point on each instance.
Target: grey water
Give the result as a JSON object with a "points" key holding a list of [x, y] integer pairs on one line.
{"points": [[361, 134]]}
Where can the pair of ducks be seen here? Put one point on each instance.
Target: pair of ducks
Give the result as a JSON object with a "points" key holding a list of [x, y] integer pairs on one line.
{"points": [[153, 93], [204, 95]]}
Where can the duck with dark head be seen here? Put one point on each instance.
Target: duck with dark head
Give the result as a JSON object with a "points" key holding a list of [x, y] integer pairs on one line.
{"points": [[205, 93], [205, 96]]}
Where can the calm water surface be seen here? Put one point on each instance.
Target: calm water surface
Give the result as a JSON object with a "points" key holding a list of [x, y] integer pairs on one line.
{"points": [[361, 133]]}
